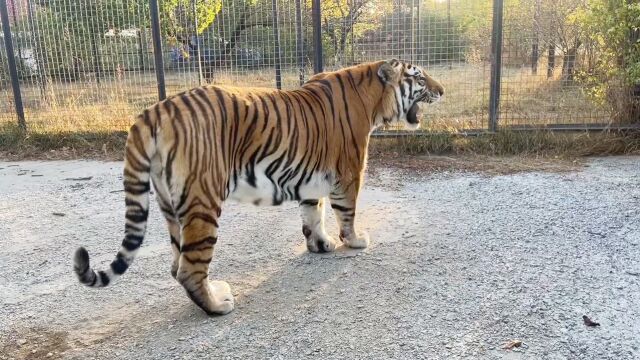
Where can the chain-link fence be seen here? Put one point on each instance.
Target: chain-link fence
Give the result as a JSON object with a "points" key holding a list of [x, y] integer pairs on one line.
{"points": [[89, 65]]}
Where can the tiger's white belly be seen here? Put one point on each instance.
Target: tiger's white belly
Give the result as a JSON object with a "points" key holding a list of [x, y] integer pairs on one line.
{"points": [[270, 192]]}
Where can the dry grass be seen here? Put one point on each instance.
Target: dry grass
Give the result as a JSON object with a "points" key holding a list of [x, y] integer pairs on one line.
{"points": [[525, 100], [505, 143], [87, 119], [112, 104], [103, 145], [109, 145]]}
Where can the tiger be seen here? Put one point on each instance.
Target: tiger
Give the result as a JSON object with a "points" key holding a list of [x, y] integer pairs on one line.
{"points": [[264, 146]]}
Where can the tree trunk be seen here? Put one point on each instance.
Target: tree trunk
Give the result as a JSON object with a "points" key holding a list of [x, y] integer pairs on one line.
{"points": [[551, 64], [634, 111], [534, 58], [569, 64], [536, 40]]}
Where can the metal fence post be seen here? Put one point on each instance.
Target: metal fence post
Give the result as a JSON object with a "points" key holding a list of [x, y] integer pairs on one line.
{"points": [[317, 36], [96, 58], [449, 31], [496, 65], [11, 60], [299, 41], [413, 34], [141, 49], [276, 34], [40, 62], [157, 48], [419, 28], [198, 56]]}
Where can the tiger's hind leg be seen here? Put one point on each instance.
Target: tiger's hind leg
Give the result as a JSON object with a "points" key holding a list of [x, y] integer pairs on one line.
{"points": [[163, 197], [174, 235], [313, 227], [199, 235]]}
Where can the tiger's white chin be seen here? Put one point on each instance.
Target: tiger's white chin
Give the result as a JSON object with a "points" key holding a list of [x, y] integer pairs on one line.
{"points": [[412, 126], [412, 119]]}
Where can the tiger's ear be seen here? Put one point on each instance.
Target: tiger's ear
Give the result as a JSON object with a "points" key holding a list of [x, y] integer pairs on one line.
{"points": [[387, 70]]}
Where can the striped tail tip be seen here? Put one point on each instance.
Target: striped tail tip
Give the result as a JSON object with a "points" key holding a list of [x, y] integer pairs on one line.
{"points": [[81, 267]]}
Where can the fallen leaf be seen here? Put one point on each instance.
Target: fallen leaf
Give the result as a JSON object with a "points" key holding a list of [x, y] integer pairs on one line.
{"points": [[512, 344], [589, 322]]}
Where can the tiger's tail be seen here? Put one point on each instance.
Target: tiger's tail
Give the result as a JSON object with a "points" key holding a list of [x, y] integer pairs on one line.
{"points": [[140, 149]]}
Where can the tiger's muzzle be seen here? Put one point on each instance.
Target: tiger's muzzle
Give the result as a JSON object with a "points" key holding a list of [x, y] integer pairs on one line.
{"points": [[429, 97]]}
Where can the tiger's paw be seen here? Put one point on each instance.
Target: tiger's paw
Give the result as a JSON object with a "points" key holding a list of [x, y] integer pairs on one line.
{"points": [[354, 241], [319, 243], [223, 302]]}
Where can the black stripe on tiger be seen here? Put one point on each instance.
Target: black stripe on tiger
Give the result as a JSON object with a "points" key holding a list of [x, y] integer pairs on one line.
{"points": [[199, 245], [341, 208], [309, 202]]}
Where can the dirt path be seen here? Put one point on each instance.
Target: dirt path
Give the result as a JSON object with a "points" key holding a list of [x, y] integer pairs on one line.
{"points": [[460, 264]]}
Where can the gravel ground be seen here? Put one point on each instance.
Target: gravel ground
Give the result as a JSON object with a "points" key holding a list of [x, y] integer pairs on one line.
{"points": [[460, 264]]}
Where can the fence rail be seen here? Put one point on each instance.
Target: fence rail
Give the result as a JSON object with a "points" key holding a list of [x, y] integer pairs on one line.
{"points": [[90, 65]]}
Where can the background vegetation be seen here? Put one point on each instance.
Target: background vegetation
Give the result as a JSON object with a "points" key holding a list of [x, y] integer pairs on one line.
{"points": [[87, 65]]}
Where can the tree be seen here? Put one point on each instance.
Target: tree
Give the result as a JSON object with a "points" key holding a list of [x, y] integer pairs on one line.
{"points": [[612, 31], [559, 30], [342, 18]]}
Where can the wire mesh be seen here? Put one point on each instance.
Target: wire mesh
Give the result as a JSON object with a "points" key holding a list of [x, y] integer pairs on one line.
{"points": [[84, 65], [543, 56], [429, 33], [243, 45], [88, 65]]}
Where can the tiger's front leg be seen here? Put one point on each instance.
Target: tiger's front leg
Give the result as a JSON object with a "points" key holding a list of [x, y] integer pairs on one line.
{"points": [[313, 226], [343, 201]]}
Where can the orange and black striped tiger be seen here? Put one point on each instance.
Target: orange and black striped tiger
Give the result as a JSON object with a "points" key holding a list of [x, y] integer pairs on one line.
{"points": [[265, 146]]}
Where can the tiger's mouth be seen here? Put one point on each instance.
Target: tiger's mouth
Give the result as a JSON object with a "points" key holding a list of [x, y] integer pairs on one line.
{"points": [[412, 114], [415, 112]]}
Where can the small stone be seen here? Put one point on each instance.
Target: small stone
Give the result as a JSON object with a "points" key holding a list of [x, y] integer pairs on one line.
{"points": [[22, 341]]}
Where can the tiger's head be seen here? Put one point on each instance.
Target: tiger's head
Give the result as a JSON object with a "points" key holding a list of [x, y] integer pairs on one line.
{"points": [[406, 88]]}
